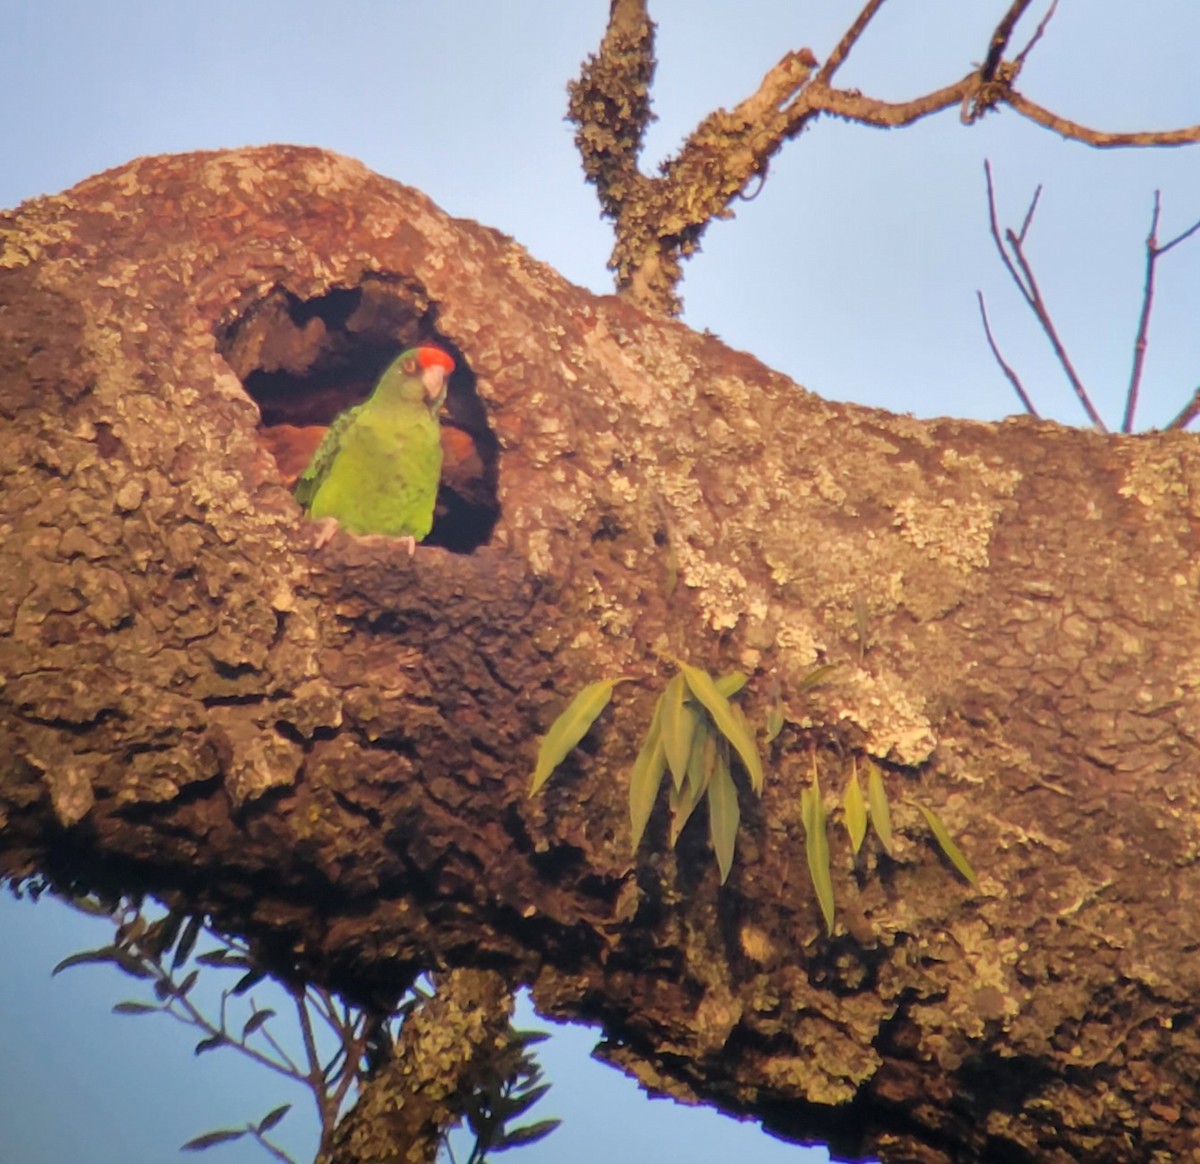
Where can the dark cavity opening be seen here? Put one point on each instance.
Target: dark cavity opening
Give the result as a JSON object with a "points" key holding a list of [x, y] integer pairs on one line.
{"points": [[303, 361]]}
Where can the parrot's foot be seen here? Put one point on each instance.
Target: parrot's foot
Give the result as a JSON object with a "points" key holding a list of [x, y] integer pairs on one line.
{"points": [[326, 528], [408, 542]]}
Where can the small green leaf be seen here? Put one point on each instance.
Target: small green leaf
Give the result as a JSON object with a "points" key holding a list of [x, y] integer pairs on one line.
{"points": [[209, 1139], [529, 1134], [186, 985], [678, 722], [106, 954], [816, 844], [775, 720], [856, 811], [946, 841], [161, 934], [517, 1105], [706, 691], [221, 957], [644, 781], [682, 803], [255, 1021], [729, 685], [700, 758], [135, 1008], [881, 815], [273, 1117], [210, 1044], [815, 677], [724, 814], [570, 727], [247, 981], [188, 941]]}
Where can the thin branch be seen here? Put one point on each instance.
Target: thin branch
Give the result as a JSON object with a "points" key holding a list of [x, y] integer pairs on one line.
{"points": [[1013, 378], [1022, 274], [1100, 138], [1153, 253], [1033, 205], [1191, 230], [1037, 35], [1000, 39], [1139, 344], [1043, 317], [997, 237], [1188, 413], [849, 38]]}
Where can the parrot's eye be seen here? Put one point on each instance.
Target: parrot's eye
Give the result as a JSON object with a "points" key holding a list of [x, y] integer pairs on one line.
{"points": [[411, 366]]}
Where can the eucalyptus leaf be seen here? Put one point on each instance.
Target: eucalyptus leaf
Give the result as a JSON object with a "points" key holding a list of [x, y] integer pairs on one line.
{"points": [[881, 815], [717, 705], [816, 844], [570, 727], [856, 811], [946, 841], [645, 779], [700, 758], [724, 815]]}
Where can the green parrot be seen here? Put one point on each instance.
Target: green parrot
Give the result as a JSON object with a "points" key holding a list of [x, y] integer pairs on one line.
{"points": [[377, 469]]}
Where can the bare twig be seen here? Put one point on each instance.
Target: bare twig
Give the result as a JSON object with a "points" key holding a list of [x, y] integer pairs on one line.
{"points": [[1013, 378], [1188, 413], [849, 38], [1191, 230], [1022, 274], [1139, 344], [1037, 35], [1153, 253]]}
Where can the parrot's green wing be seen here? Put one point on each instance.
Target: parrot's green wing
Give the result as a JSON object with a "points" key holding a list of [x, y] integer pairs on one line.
{"points": [[322, 461]]}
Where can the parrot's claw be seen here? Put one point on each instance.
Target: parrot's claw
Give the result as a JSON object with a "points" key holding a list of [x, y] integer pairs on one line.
{"points": [[326, 528], [410, 543]]}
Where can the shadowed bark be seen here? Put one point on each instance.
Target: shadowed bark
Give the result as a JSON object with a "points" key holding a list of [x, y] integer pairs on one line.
{"points": [[330, 751]]}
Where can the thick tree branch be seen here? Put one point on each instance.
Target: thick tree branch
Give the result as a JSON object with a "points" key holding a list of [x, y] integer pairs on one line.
{"points": [[659, 221], [445, 1046], [330, 751], [1000, 38]]}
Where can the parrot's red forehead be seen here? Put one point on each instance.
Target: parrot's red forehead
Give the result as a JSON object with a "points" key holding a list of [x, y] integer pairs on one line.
{"points": [[430, 357]]}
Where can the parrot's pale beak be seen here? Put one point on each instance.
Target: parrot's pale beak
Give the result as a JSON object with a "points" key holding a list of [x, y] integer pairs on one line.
{"points": [[433, 379]]}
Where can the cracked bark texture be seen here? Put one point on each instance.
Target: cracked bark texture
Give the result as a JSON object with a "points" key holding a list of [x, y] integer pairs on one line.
{"points": [[331, 751]]}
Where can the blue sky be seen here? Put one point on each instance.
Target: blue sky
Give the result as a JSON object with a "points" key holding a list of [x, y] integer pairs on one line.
{"points": [[854, 272]]}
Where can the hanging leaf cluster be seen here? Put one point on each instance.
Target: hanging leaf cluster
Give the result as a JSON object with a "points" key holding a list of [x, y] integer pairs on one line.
{"points": [[858, 813], [507, 1090], [696, 733], [157, 951]]}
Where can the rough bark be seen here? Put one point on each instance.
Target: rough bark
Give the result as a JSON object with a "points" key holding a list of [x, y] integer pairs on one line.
{"points": [[330, 751]]}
